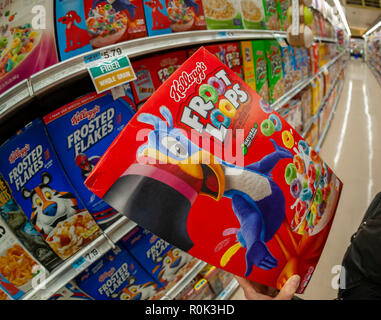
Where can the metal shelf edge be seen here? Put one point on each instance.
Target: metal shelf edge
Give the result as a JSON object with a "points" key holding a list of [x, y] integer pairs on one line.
{"points": [[228, 291]]}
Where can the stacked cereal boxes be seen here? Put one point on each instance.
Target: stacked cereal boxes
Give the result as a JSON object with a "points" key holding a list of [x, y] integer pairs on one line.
{"points": [[20, 225], [40, 187], [274, 70], [117, 276], [260, 68], [81, 132], [253, 14]]}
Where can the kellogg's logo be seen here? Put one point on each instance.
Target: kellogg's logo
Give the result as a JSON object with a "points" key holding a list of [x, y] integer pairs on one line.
{"points": [[84, 114], [106, 274], [186, 80], [19, 153]]}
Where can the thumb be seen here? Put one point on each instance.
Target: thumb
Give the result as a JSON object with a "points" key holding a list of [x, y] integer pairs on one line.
{"points": [[289, 288]]}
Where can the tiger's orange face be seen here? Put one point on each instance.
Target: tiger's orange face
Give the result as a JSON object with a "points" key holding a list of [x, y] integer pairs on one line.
{"points": [[49, 206], [173, 261]]}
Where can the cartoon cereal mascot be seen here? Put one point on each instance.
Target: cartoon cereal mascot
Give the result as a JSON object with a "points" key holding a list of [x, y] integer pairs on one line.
{"points": [[173, 169]]}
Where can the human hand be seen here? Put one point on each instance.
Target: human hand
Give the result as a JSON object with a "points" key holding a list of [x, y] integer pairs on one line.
{"points": [[256, 291]]}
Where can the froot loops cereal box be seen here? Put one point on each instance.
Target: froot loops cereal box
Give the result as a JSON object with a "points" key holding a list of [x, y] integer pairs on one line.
{"points": [[157, 19], [153, 71], [42, 190], [186, 15], [211, 168], [26, 44], [81, 132], [91, 24], [17, 266]]}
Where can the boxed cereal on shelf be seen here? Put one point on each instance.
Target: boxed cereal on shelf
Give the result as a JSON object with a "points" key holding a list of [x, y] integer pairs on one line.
{"points": [[288, 68], [84, 25], [260, 69], [117, 276], [187, 287], [248, 63], [272, 17], [162, 261], [17, 266], [211, 274], [27, 43], [315, 96], [191, 182], [157, 20], [306, 103], [229, 54], [223, 14], [282, 6], [43, 191], [153, 71], [81, 131], [22, 228], [70, 291], [186, 15], [253, 14], [274, 70], [200, 291]]}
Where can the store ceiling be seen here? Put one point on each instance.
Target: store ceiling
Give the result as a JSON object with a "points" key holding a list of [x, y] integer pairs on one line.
{"points": [[362, 14]]}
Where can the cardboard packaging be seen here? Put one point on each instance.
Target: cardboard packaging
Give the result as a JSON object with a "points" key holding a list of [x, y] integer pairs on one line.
{"points": [[26, 45], [253, 14], [42, 190], [22, 228], [225, 14], [70, 291], [248, 201], [81, 131], [248, 63], [157, 19], [260, 68], [117, 276], [274, 70]]}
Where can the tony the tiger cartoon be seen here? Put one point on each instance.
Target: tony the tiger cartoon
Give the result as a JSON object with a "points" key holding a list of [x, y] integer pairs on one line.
{"points": [[41, 188]]}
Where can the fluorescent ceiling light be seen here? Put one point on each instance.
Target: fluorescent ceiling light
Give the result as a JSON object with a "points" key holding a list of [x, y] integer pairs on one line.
{"points": [[373, 28], [342, 15]]}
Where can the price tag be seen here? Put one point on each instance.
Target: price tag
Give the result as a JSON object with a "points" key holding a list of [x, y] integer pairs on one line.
{"points": [[295, 18], [282, 42], [87, 259], [226, 34], [109, 68]]}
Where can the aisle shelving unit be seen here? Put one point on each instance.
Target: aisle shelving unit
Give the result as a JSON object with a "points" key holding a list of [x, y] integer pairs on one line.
{"points": [[67, 71]]}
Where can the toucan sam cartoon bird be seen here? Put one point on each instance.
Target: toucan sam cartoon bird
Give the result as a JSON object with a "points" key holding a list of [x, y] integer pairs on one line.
{"points": [[157, 191]]}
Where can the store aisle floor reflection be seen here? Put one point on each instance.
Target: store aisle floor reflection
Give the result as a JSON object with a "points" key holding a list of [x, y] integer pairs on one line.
{"points": [[353, 150]]}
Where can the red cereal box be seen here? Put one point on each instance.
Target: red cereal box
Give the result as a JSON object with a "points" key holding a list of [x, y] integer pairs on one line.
{"points": [[153, 71], [186, 15], [208, 166]]}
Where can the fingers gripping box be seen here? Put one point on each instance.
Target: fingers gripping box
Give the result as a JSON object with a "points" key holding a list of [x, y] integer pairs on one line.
{"points": [[41, 188], [81, 131], [209, 167], [161, 260]]}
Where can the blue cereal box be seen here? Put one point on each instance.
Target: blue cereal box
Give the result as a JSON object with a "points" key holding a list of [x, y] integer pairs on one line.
{"points": [[117, 276], [81, 132], [70, 291], [157, 19], [42, 190], [164, 262]]}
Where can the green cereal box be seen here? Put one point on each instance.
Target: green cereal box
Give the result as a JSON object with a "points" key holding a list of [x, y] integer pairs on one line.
{"points": [[260, 68], [282, 7], [272, 17], [274, 69], [222, 14], [253, 14]]}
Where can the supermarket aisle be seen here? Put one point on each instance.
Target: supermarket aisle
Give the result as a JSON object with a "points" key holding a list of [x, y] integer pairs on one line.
{"points": [[352, 148]]}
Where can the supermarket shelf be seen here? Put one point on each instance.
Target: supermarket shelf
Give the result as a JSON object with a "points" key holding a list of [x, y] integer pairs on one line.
{"points": [[322, 105], [301, 85], [174, 291], [228, 291], [69, 269], [67, 70], [328, 124]]}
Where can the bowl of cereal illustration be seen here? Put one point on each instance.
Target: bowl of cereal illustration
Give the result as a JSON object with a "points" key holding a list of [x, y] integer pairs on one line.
{"points": [[251, 11], [220, 9], [106, 26], [181, 16], [23, 52]]}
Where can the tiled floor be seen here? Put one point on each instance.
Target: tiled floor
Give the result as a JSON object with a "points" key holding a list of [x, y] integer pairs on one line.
{"points": [[352, 148]]}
